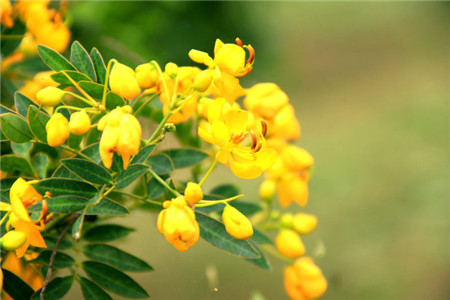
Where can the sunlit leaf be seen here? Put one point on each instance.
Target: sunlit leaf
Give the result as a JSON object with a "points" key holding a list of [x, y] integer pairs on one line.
{"points": [[81, 60]]}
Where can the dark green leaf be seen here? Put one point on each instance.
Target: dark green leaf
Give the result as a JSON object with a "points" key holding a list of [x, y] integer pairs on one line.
{"points": [[56, 289], [209, 209], [260, 238], [40, 162], [215, 233], [88, 170], [15, 286], [99, 64], [225, 190], [160, 163], [114, 280], [117, 163], [143, 154], [113, 100], [94, 90], [116, 257], [91, 290], [81, 60], [185, 157], [11, 44], [15, 128], [63, 187], [93, 152], [12, 162], [63, 172], [53, 59], [154, 189], [62, 260], [261, 262], [22, 103], [4, 110], [106, 233], [62, 204], [74, 140], [64, 243], [130, 174], [38, 120], [247, 208], [107, 207], [65, 82]]}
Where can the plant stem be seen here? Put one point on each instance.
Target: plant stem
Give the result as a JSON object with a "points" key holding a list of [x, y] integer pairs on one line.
{"points": [[145, 103], [209, 172], [204, 203], [93, 102], [162, 182], [77, 152], [108, 70], [160, 126], [79, 97]]}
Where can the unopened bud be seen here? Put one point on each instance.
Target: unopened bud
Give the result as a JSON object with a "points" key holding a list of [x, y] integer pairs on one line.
{"points": [[287, 220], [122, 81], [13, 240], [236, 223], [169, 127], [171, 70], [289, 244], [304, 223], [147, 76], [79, 123], [57, 130], [297, 159], [193, 193], [49, 96], [267, 190], [203, 80]]}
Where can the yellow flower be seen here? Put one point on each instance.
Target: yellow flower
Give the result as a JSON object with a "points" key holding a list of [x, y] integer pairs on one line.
{"points": [[267, 190], [297, 159], [49, 96], [284, 124], [177, 222], [265, 100], [228, 63], [193, 193], [304, 280], [121, 133], [40, 81], [79, 123], [23, 270], [236, 224], [6, 11], [23, 195], [57, 130], [122, 81], [13, 240], [304, 223], [289, 244], [147, 76], [227, 127]]}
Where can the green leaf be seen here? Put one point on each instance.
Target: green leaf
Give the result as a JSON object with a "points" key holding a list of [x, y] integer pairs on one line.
{"points": [[88, 170], [9, 45], [15, 128], [65, 82], [74, 140], [62, 204], [113, 100], [61, 261], [63, 187], [215, 233], [64, 243], [16, 287], [116, 257], [160, 163], [93, 152], [56, 289], [91, 290], [63, 172], [95, 90], [154, 189], [247, 208], [22, 149], [40, 162], [225, 190], [22, 103], [261, 262], [38, 120], [4, 110], [53, 59], [106, 233], [113, 280], [80, 58], [143, 154], [117, 163], [12, 162], [77, 227], [260, 238], [99, 64], [107, 207], [130, 174], [185, 157]]}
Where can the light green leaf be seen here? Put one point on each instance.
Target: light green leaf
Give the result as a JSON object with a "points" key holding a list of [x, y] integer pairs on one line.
{"points": [[12, 162], [91, 290], [53, 59], [130, 174], [160, 163], [16, 287], [61, 261], [22, 103], [143, 154], [22, 149], [99, 64], [38, 120], [215, 233], [56, 289], [88, 170], [63, 187], [107, 207], [15, 128], [80, 58], [62, 204], [106, 233], [185, 157], [77, 227], [116, 257], [113, 280]]}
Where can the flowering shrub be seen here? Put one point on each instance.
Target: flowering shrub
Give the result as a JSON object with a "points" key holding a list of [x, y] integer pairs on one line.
{"points": [[79, 156]]}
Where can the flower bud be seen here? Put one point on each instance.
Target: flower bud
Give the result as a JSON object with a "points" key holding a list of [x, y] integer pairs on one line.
{"points": [[49, 96], [171, 70], [296, 159], [267, 190], [203, 80], [193, 193], [304, 280], [57, 130], [289, 244], [122, 81], [13, 240], [147, 76], [79, 123], [304, 223], [287, 221], [200, 57], [236, 224]]}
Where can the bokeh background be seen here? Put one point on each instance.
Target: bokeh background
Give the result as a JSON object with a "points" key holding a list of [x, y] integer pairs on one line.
{"points": [[370, 84]]}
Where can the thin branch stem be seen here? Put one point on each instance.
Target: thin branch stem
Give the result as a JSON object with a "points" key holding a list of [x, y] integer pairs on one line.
{"points": [[77, 152], [163, 183], [145, 103], [160, 126], [108, 70], [93, 102], [209, 172]]}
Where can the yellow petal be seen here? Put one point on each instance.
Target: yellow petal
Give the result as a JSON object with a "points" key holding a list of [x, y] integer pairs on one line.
{"points": [[230, 58], [220, 134], [245, 171], [236, 120]]}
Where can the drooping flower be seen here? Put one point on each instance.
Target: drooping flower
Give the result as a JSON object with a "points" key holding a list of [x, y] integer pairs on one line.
{"points": [[193, 193], [123, 82], [177, 222], [227, 127], [304, 280], [57, 130], [289, 243], [121, 133], [236, 224], [228, 63]]}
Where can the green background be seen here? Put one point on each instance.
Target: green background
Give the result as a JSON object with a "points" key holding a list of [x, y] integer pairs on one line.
{"points": [[369, 82]]}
